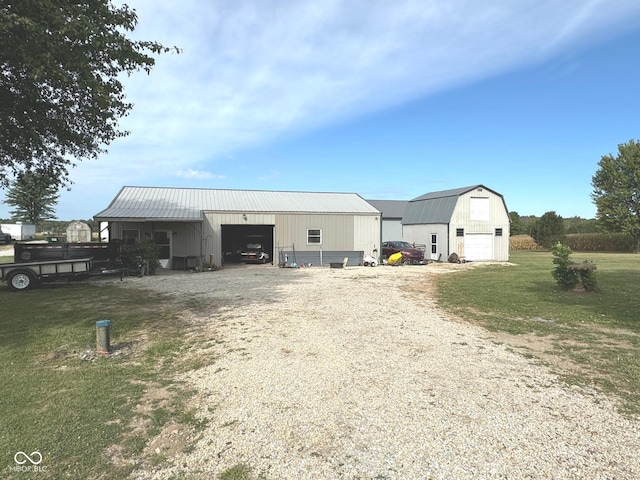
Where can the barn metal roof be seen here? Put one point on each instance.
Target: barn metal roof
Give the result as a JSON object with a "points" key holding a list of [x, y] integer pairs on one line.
{"points": [[188, 204], [390, 208], [436, 207]]}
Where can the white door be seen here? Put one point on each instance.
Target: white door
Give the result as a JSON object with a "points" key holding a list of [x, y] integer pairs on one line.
{"points": [[434, 247], [162, 239], [478, 246]]}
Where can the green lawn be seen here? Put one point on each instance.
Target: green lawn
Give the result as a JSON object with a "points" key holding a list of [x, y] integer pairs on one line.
{"points": [[78, 411], [591, 338]]}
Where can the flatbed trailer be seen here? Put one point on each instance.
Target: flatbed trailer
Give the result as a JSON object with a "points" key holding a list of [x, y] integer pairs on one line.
{"points": [[25, 275]]}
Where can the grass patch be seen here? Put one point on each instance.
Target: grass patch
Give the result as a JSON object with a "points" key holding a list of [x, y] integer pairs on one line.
{"points": [[237, 472], [74, 406], [597, 333]]}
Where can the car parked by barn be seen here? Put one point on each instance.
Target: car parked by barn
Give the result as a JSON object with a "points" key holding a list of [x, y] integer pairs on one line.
{"points": [[410, 253]]}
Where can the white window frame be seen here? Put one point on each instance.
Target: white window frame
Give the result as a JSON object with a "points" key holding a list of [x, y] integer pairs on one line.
{"points": [[314, 236]]}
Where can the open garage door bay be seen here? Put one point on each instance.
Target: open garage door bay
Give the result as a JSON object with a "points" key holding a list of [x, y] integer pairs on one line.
{"points": [[235, 239]]}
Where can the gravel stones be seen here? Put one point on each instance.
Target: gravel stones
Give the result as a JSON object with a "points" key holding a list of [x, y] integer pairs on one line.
{"points": [[340, 373]]}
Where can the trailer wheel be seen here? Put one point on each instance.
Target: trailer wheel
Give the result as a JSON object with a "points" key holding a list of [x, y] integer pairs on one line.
{"points": [[20, 280]]}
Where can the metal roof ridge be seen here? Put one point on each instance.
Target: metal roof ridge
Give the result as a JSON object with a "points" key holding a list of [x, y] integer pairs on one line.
{"points": [[238, 190]]}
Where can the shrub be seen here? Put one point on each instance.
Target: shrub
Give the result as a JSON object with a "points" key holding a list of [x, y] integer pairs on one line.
{"points": [[146, 251], [589, 280], [566, 277]]}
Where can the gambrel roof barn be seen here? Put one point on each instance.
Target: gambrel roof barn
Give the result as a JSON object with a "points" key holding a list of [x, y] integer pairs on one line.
{"points": [[472, 222]]}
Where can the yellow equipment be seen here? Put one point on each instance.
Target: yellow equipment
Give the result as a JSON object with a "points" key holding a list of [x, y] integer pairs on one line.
{"points": [[395, 259]]}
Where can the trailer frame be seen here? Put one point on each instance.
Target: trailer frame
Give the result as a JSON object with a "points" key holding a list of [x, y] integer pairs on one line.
{"points": [[25, 275]]}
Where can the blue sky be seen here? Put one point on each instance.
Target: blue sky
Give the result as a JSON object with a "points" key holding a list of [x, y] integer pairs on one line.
{"points": [[386, 99]]}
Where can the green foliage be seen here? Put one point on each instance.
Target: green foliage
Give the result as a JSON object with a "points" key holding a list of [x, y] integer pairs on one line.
{"points": [[61, 92], [589, 280], [567, 278], [237, 472], [33, 195], [616, 191], [549, 230], [581, 225], [147, 251], [600, 242], [524, 224], [517, 227]]}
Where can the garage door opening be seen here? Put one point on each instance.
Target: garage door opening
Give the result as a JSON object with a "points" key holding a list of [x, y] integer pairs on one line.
{"points": [[239, 239]]}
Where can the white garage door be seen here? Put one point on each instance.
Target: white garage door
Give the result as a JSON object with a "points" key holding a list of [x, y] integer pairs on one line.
{"points": [[478, 246]]}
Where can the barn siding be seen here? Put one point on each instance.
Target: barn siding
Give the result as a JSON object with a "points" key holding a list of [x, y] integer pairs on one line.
{"points": [[421, 234], [391, 229], [340, 232], [366, 234], [337, 231], [498, 218]]}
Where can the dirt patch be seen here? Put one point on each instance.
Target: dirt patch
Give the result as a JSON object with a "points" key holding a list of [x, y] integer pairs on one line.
{"points": [[542, 348], [149, 434]]}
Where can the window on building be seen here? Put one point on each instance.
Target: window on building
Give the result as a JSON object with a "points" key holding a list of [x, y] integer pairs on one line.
{"points": [[479, 209], [314, 236], [434, 243], [459, 232], [498, 232], [130, 236]]}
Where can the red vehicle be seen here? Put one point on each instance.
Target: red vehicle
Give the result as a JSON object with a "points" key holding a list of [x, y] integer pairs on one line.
{"points": [[410, 253]]}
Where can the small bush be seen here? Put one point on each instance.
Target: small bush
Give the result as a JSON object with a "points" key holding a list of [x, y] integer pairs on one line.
{"points": [[589, 280], [146, 250], [566, 277]]}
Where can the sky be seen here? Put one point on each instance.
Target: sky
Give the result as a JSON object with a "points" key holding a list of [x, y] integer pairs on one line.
{"points": [[389, 100]]}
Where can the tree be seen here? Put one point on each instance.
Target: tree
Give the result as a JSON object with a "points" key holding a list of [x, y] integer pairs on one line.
{"points": [[516, 224], [580, 225], [549, 230], [60, 94], [34, 196], [616, 191]]}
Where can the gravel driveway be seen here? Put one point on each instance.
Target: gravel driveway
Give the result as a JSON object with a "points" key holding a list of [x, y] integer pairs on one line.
{"points": [[340, 373]]}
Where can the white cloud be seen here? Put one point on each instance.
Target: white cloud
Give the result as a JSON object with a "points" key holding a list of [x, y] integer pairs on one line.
{"points": [[254, 70]]}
